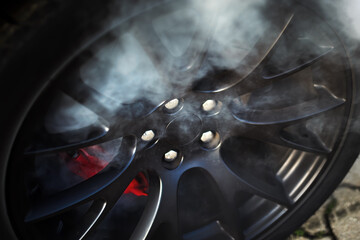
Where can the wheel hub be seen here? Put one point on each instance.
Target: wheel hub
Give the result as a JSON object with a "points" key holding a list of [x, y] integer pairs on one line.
{"points": [[184, 129]]}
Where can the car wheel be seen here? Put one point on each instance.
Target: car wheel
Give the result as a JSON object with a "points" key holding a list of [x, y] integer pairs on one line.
{"points": [[175, 120]]}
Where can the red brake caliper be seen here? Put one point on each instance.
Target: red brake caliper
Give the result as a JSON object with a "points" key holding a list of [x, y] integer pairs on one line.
{"points": [[87, 165]]}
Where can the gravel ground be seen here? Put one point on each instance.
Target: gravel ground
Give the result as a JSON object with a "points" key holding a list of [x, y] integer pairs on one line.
{"points": [[339, 217]]}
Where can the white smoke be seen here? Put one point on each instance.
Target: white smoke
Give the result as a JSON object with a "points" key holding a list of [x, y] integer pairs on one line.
{"points": [[352, 10], [220, 35], [65, 114], [346, 14], [124, 71]]}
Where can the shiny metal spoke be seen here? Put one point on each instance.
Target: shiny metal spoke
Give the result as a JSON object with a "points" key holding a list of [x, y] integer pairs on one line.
{"points": [[268, 125], [254, 177], [177, 70], [287, 115], [160, 217], [153, 47], [274, 69], [302, 138], [87, 222], [69, 140], [295, 51], [213, 230], [220, 79], [108, 184], [109, 108], [91, 98]]}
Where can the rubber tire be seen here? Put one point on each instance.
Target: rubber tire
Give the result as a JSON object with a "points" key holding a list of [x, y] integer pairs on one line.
{"points": [[72, 25]]}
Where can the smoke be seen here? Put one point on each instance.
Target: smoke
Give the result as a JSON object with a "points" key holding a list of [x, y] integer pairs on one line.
{"points": [[347, 13], [122, 71], [344, 16], [136, 66], [162, 52], [65, 114], [352, 9]]}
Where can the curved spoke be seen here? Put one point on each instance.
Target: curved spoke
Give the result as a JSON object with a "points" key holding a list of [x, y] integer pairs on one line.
{"points": [[87, 222], [176, 67], [300, 137], [147, 220], [108, 184], [276, 69], [160, 218], [213, 230], [270, 187], [269, 125], [287, 115], [220, 78], [91, 98], [296, 50], [70, 140], [153, 46]]}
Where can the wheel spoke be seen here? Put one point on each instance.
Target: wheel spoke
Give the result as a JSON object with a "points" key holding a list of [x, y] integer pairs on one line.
{"points": [[98, 132], [297, 49], [107, 107], [256, 178], [153, 46], [222, 78], [69, 140], [300, 137], [108, 184], [287, 115], [112, 98], [300, 54], [185, 26], [147, 220], [97, 210], [269, 125], [92, 99], [213, 230], [175, 68], [160, 217]]}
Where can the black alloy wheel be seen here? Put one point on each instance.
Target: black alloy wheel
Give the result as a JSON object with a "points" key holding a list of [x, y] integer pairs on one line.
{"points": [[178, 120]]}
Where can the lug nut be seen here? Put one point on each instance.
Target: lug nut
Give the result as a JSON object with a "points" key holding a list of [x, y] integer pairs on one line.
{"points": [[207, 136], [209, 105], [172, 104], [170, 156], [148, 136], [210, 140]]}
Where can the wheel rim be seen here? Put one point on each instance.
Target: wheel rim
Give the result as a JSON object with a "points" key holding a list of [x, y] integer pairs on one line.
{"points": [[256, 149]]}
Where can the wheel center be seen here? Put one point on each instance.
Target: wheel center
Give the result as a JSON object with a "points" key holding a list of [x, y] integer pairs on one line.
{"points": [[184, 129]]}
